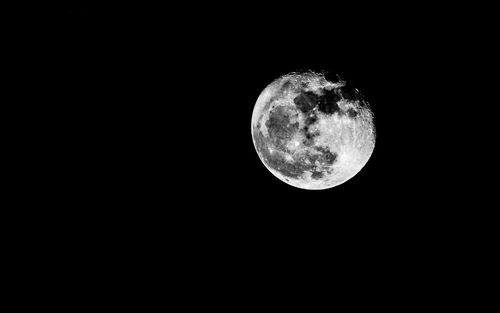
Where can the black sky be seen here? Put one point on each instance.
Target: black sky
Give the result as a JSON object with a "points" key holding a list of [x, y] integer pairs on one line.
{"points": [[156, 103], [183, 83]]}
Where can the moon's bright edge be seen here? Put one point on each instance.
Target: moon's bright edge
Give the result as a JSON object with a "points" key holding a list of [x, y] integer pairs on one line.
{"points": [[320, 143]]}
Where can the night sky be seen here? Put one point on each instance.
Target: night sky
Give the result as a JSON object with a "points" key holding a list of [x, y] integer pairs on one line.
{"points": [[152, 107], [181, 84]]}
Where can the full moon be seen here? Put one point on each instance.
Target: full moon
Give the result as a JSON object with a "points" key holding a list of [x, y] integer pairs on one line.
{"points": [[312, 133]]}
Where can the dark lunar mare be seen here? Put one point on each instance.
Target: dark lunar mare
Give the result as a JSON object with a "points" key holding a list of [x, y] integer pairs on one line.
{"points": [[317, 174], [306, 101], [327, 157], [280, 131], [279, 127], [327, 103], [349, 93], [310, 119]]}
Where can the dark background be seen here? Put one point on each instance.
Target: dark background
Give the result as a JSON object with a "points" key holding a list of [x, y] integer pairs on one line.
{"points": [[171, 92], [147, 139]]}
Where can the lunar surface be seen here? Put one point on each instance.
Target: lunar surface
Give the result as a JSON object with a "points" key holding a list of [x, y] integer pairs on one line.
{"points": [[312, 133]]}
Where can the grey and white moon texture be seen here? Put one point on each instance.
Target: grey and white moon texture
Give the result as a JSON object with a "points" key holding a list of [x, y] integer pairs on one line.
{"points": [[312, 133]]}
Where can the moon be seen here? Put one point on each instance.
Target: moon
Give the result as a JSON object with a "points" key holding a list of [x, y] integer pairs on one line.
{"points": [[312, 133]]}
